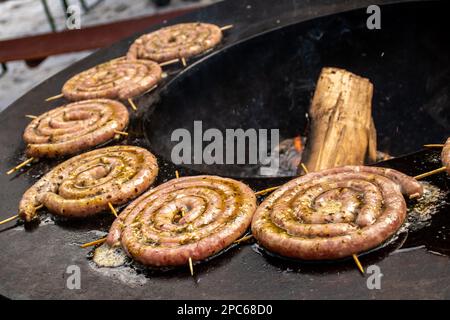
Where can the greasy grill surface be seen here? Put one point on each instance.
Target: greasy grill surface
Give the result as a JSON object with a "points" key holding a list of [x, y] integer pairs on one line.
{"points": [[34, 261]]}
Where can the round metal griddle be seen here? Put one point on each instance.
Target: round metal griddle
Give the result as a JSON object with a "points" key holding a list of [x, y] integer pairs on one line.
{"points": [[261, 76]]}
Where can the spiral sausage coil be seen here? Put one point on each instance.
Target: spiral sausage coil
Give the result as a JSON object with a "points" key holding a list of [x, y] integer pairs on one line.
{"points": [[116, 79], [190, 217], [75, 127], [182, 40], [85, 184], [334, 213]]}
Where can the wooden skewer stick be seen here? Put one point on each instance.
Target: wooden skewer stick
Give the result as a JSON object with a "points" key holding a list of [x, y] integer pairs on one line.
{"points": [[55, 97], [248, 237], [177, 174], [17, 216], [31, 116], [93, 243], [433, 145], [275, 188], [304, 167], [166, 63], [266, 191], [229, 26], [9, 219], [123, 133], [20, 165], [183, 61], [133, 106], [114, 212], [358, 263], [191, 267], [151, 89], [430, 173]]}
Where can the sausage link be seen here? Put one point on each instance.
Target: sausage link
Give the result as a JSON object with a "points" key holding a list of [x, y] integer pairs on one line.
{"points": [[116, 79], [190, 217], [182, 40], [334, 213], [75, 127], [85, 184]]}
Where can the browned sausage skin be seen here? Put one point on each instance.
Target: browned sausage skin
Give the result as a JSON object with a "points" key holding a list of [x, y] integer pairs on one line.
{"points": [[190, 217], [75, 127], [84, 184], [182, 40], [334, 213], [445, 156], [116, 79]]}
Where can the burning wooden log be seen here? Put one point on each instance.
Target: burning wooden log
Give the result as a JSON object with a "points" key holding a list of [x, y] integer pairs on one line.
{"points": [[342, 129]]}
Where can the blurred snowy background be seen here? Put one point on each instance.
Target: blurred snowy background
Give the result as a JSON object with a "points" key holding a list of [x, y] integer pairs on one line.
{"points": [[19, 18]]}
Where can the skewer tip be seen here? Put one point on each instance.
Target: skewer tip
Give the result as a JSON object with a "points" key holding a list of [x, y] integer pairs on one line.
{"points": [[358, 263], [9, 219], [191, 267], [305, 169], [131, 102], [113, 210], [245, 238], [55, 97], [122, 133], [261, 192], [430, 173], [229, 26], [151, 89], [19, 166], [166, 63], [93, 243], [433, 145]]}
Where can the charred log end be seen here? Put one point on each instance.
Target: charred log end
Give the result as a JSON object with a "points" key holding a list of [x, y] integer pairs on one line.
{"points": [[342, 128]]}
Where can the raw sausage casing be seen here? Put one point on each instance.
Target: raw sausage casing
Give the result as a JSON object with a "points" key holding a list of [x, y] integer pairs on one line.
{"points": [[116, 79], [334, 213], [85, 184], [190, 217], [182, 40], [75, 127]]}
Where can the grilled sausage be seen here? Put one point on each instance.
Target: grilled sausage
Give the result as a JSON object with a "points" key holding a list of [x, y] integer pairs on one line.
{"points": [[182, 40], [190, 217], [334, 213], [85, 184], [75, 127], [445, 156], [116, 79]]}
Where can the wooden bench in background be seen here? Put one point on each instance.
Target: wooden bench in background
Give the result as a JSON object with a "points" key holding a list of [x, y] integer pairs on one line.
{"points": [[34, 49]]}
